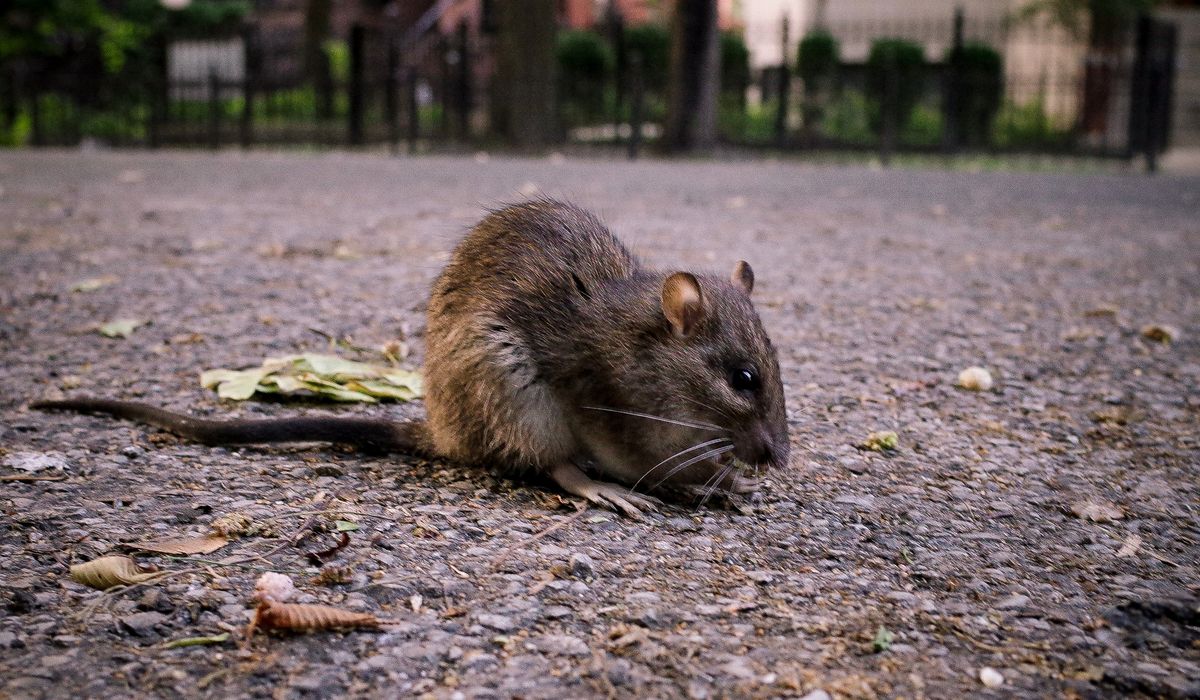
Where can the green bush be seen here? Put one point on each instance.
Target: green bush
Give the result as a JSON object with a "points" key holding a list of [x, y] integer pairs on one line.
{"points": [[981, 88], [653, 43], [585, 63], [1028, 126], [905, 60], [817, 58], [735, 64]]}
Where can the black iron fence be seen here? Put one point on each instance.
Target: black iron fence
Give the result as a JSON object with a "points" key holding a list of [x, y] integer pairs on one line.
{"points": [[938, 85]]}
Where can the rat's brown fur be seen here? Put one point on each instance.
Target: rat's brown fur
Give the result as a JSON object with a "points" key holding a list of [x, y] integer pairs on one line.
{"points": [[550, 347]]}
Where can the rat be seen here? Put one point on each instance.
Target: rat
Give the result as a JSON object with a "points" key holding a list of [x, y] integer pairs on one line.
{"points": [[552, 350]]}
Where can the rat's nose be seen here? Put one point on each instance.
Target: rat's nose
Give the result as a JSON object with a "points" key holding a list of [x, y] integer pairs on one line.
{"points": [[763, 450]]}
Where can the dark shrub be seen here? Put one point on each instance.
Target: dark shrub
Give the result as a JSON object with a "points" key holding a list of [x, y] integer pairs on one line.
{"points": [[585, 63], [735, 64], [905, 61], [653, 42], [980, 70], [816, 59]]}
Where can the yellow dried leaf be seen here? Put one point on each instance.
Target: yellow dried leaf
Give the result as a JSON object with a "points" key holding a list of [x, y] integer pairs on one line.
{"points": [[881, 441], [232, 525], [185, 545], [302, 617], [1160, 333], [120, 328], [106, 572], [93, 283]]}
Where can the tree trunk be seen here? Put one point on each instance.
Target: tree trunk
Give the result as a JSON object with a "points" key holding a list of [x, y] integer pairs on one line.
{"points": [[695, 77], [523, 102]]}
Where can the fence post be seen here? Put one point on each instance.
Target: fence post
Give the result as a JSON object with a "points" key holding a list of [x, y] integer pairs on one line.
{"points": [[250, 66], [635, 103], [953, 85], [414, 111], [463, 97], [355, 103], [785, 86], [159, 87], [887, 141], [214, 109], [616, 29], [391, 87]]}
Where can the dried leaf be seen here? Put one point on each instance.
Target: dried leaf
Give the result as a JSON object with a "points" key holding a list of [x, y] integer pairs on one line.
{"points": [[1160, 333], [314, 374], [302, 617], [120, 328], [232, 525], [185, 545], [231, 384], [1097, 511], [93, 283], [197, 641], [318, 558], [106, 572], [33, 462], [883, 639], [1130, 547], [880, 441]]}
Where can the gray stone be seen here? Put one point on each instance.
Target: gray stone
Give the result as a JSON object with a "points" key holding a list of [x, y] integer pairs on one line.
{"points": [[143, 623], [581, 565], [500, 623]]}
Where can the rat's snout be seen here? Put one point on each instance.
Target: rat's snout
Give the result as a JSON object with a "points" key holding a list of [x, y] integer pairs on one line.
{"points": [[761, 449]]}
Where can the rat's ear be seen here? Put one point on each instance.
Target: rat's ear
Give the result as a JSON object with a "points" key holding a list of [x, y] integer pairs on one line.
{"points": [[682, 303], [743, 277]]}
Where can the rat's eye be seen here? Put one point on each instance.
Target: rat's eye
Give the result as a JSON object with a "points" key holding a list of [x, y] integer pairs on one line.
{"points": [[744, 379]]}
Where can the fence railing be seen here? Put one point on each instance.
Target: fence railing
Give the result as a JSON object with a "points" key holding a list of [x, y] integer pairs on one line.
{"points": [[971, 85]]}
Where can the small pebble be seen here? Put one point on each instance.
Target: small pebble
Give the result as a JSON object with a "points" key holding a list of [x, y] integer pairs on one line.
{"points": [[990, 677], [975, 379]]}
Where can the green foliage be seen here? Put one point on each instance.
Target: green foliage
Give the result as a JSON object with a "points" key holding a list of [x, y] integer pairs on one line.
{"points": [[981, 71], [1028, 126], [903, 63], [1077, 16], [847, 119], [584, 56], [337, 57], [735, 64], [585, 63], [817, 58], [653, 43]]}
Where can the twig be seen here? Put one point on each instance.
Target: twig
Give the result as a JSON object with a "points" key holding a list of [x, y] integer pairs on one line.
{"points": [[30, 477], [331, 511], [499, 558]]}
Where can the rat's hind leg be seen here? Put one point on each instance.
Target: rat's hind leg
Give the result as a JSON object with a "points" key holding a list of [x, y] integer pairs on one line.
{"points": [[572, 480]]}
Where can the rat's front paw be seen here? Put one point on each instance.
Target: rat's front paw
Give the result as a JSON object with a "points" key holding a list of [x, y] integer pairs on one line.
{"points": [[602, 493]]}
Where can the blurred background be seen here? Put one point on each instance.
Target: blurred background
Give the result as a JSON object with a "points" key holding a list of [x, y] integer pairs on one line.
{"points": [[1104, 78]]}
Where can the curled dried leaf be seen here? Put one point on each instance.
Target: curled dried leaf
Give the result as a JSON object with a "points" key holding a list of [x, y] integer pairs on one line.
{"points": [[302, 617], [185, 545], [232, 525], [106, 572]]}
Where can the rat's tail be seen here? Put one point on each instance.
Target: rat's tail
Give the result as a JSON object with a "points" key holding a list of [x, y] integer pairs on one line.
{"points": [[410, 437]]}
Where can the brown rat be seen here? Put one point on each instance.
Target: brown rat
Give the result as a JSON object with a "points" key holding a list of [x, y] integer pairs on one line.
{"points": [[551, 349]]}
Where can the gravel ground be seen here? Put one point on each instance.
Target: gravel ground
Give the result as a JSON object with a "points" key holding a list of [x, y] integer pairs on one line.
{"points": [[1047, 529]]}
